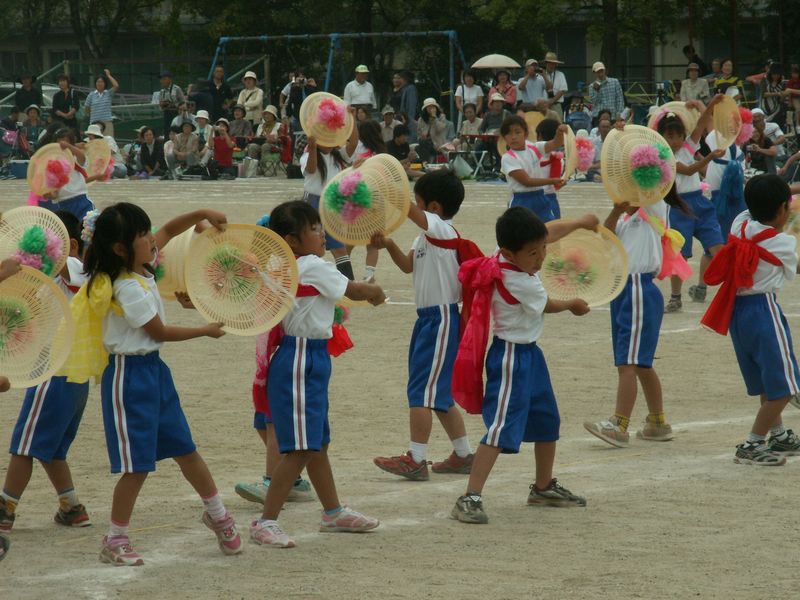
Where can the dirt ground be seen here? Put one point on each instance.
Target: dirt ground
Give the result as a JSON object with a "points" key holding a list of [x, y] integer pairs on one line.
{"points": [[664, 520]]}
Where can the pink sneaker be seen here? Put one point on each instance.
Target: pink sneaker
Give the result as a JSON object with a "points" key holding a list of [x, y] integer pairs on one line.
{"points": [[347, 520], [269, 533], [230, 542], [118, 551]]}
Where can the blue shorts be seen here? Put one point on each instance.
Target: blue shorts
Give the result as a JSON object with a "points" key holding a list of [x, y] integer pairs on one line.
{"points": [[297, 389], [703, 224], [726, 220], [519, 404], [434, 345], [636, 321], [536, 201], [49, 419], [330, 242], [554, 205], [142, 413], [78, 206], [260, 421], [763, 345]]}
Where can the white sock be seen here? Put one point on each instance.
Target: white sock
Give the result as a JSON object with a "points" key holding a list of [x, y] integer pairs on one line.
{"points": [[419, 452], [754, 438], [462, 447], [214, 506], [369, 272], [778, 430], [118, 529], [68, 498]]}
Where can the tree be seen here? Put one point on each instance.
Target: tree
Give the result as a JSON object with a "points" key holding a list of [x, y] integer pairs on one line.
{"points": [[32, 19]]}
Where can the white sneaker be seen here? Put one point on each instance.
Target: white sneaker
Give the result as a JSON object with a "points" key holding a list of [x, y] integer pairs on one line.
{"points": [[609, 432], [269, 533]]}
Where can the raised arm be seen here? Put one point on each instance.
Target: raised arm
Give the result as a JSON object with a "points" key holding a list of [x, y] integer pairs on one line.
{"points": [[114, 83], [405, 262], [558, 230], [183, 222], [557, 141]]}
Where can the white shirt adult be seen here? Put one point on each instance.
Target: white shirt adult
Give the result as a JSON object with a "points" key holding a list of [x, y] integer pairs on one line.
{"points": [[360, 94], [520, 160], [559, 82], [534, 89], [774, 133], [312, 316], [641, 241], [469, 93], [768, 278], [114, 147], [124, 334], [519, 323], [435, 273]]}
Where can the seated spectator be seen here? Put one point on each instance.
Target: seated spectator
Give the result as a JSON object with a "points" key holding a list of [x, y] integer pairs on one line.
{"points": [[470, 126], [11, 122], [251, 98], [504, 87], [541, 106], [132, 153], [33, 126], [401, 150], [204, 132], [267, 139], [169, 152], [603, 129], [28, 95], [240, 129], [185, 150], [771, 130], [222, 144], [184, 115], [789, 170], [151, 155], [492, 121], [728, 83], [604, 114], [694, 88], [761, 150], [362, 114], [95, 132], [431, 130], [388, 124]]}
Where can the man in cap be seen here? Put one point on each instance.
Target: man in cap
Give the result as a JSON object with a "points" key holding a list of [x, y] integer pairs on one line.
{"points": [[531, 87], [360, 92], [388, 123], [605, 92], [169, 99], [555, 83]]}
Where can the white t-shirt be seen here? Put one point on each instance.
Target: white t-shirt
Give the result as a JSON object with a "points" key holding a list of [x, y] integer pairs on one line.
{"points": [[312, 182], [559, 82], [768, 278], [641, 241], [312, 316], [123, 334], [115, 153], [534, 90], [714, 171], [76, 278], [774, 132], [519, 323], [469, 93], [76, 186], [276, 127], [360, 93], [687, 183], [435, 269], [524, 160]]}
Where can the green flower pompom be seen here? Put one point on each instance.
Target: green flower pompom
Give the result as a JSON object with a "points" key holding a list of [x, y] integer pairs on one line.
{"points": [[33, 240], [648, 177]]}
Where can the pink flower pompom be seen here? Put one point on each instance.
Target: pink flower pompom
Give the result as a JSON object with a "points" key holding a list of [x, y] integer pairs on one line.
{"points": [[745, 133], [704, 186], [54, 248], [666, 171], [348, 183], [57, 173], [352, 211], [644, 156], [109, 170], [331, 114], [28, 260], [585, 153]]}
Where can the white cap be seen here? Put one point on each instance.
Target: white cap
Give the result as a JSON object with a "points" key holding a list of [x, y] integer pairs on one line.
{"points": [[598, 66], [758, 111], [250, 74]]}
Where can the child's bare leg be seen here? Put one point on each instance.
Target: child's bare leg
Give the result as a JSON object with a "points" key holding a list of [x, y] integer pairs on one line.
{"points": [[420, 424], [273, 453], [452, 422], [283, 477], [545, 453], [59, 474], [196, 472], [626, 390], [321, 476], [18, 475], [651, 385], [676, 284], [485, 457], [125, 494], [768, 415]]}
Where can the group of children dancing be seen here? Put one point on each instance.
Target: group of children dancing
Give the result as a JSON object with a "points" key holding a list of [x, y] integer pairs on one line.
{"points": [[123, 327]]}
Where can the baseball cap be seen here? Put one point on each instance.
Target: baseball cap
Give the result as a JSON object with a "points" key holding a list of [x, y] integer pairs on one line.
{"points": [[598, 66], [362, 69], [531, 61]]}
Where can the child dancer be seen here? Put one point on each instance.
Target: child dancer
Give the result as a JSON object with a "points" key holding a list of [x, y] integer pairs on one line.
{"points": [[299, 371], [551, 163], [519, 404], [49, 419], [370, 143], [434, 261], [319, 165], [752, 267], [121, 311], [522, 167]]}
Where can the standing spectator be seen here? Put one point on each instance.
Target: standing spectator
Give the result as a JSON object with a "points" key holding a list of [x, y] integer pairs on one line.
{"points": [[169, 99], [252, 98], [792, 92], [151, 155], [728, 83], [286, 91], [771, 130], [691, 55], [468, 93], [694, 88], [772, 98], [95, 132], [431, 130], [716, 71], [300, 88], [27, 94], [395, 99], [759, 80], [221, 94], [33, 126], [606, 92], [359, 92], [198, 96], [66, 103], [98, 102], [532, 86], [388, 124], [504, 87], [184, 116], [555, 83], [409, 102]]}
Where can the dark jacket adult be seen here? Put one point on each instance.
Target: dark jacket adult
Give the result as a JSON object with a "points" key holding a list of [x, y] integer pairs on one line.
{"points": [[297, 93], [219, 95], [65, 102], [153, 158], [24, 98]]}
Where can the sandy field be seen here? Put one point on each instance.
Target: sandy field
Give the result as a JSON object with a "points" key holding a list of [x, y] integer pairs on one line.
{"points": [[664, 520]]}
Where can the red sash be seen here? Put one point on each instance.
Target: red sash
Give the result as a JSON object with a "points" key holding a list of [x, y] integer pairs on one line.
{"points": [[465, 249], [479, 278], [556, 169], [734, 267]]}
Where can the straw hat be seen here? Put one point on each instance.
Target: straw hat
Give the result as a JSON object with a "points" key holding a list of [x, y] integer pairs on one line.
{"points": [[585, 264], [622, 150], [40, 180], [727, 122], [552, 57], [172, 261], [429, 102], [245, 277], [358, 202], [326, 118], [570, 153], [495, 97], [689, 116], [250, 75], [531, 61], [98, 155], [202, 114], [17, 222], [532, 118], [37, 328], [269, 108]]}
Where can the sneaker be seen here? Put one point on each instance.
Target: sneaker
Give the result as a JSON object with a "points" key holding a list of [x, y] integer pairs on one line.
{"points": [[257, 492], [404, 466], [654, 432], [609, 433], [787, 447], [301, 491], [698, 293], [454, 464], [228, 538], [5, 544], [118, 551], [347, 520], [74, 517], [554, 495], [674, 305], [269, 533], [469, 509], [6, 517], [757, 454]]}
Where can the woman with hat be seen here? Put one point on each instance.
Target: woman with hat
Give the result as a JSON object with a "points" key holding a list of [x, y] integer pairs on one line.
{"points": [[251, 98], [492, 121], [388, 124], [33, 126], [431, 130], [98, 102], [267, 136], [186, 148], [504, 87], [554, 82], [240, 129], [694, 88]]}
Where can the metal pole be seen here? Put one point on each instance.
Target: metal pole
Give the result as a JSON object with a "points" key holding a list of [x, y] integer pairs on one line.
{"points": [[216, 56], [333, 37], [452, 79]]}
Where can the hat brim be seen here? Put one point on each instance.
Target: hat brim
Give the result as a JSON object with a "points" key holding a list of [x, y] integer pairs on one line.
{"points": [[555, 62]]}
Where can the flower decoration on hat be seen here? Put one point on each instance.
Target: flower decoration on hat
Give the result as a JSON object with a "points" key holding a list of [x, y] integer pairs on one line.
{"points": [[332, 114], [40, 248], [349, 197], [649, 166], [89, 220], [572, 268], [586, 151], [57, 173], [16, 326], [232, 272], [746, 131]]}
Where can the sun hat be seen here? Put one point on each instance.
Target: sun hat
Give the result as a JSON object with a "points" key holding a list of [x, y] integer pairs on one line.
{"points": [[429, 102], [239, 107], [250, 75], [49, 169], [98, 157], [270, 108], [727, 122], [32, 106], [94, 129], [531, 61], [757, 111], [362, 69], [694, 66], [222, 120], [202, 114], [497, 97], [598, 66], [140, 129], [188, 122], [23, 231], [552, 57], [172, 263], [326, 118], [387, 110]]}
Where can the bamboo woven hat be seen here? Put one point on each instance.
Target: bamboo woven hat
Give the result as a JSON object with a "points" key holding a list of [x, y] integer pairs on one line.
{"points": [[532, 118], [585, 264], [98, 156], [36, 328], [36, 236], [793, 224], [727, 122], [49, 169], [357, 203], [244, 277], [172, 263], [689, 116], [326, 118], [570, 153], [637, 165]]}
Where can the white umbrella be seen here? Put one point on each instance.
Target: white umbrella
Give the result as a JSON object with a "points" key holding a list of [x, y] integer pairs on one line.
{"points": [[495, 61]]}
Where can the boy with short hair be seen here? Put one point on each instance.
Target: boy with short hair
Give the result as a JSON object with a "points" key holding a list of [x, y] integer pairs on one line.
{"points": [[518, 404], [752, 267], [434, 262]]}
